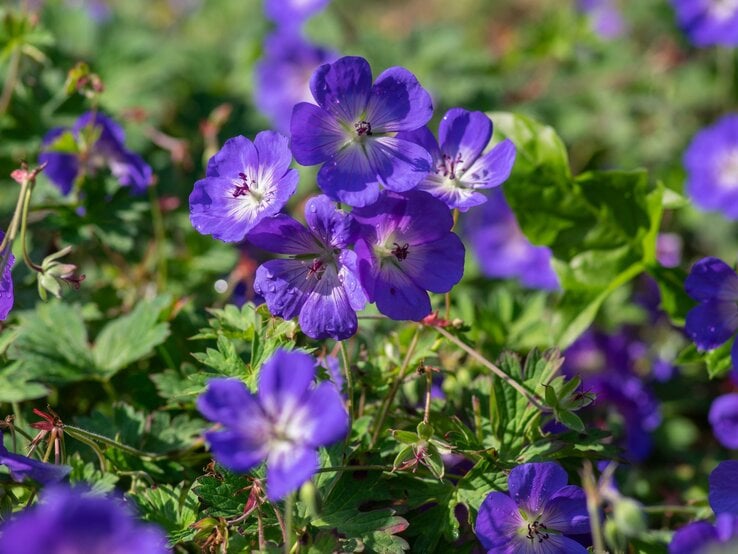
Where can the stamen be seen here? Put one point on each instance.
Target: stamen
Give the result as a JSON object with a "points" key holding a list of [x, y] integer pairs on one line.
{"points": [[244, 188], [317, 269], [363, 128], [450, 166], [537, 530], [400, 252]]}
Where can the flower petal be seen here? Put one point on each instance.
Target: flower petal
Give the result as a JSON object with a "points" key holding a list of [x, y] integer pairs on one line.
{"points": [[316, 134], [723, 417], [436, 266], [284, 285], [288, 468], [349, 275], [712, 323], [400, 164], [61, 169], [343, 87], [464, 134], [397, 102], [327, 312], [492, 169], [712, 278], [274, 156], [691, 538], [350, 178], [237, 451], [131, 171], [237, 155], [566, 511], [398, 297], [284, 381], [425, 138], [327, 222], [724, 487], [227, 401], [533, 484], [22, 467], [329, 416], [498, 522], [283, 235]]}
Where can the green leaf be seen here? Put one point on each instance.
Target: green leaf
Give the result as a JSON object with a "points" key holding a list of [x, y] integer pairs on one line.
{"points": [[174, 508], [571, 420], [224, 493], [16, 384], [131, 337]]}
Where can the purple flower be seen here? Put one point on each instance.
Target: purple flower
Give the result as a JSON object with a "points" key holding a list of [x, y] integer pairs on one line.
{"points": [[605, 17], [711, 161], [319, 283], [724, 488], [352, 130], [67, 521], [244, 183], [702, 537], [459, 168], [501, 248], [6, 281], [714, 320], [405, 247], [606, 365], [724, 420], [283, 75], [284, 423], [539, 511], [63, 168], [22, 467], [669, 249], [292, 12], [708, 22]]}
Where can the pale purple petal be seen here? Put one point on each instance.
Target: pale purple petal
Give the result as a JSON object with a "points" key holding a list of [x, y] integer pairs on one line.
{"points": [[343, 87], [464, 134], [566, 511], [316, 134], [284, 380], [349, 275], [327, 312], [235, 156], [273, 154], [691, 538], [532, 485], [726, 526], [285, 286], [724, 487], [239, 451], [330, 416], [498, 523], [288, 469], [131, 171], [349, 177], [397, 102], [724, 420], [712, 323], [331, 225], [400, 164], [493, 168], [227, 401]]}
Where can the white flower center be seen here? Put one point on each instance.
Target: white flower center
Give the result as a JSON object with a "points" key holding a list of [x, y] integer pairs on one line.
{"points": [[727, 167], [722, 9]]}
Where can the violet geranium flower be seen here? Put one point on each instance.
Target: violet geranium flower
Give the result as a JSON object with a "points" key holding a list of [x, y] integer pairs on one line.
{"points": [[702, 537], [723, 417], [22, 467], [536, 516], [67, 521], [502, 250], [605, 17], [319, 283], [405, 248], [6, 281], [292, 13], [714, 320], [708, 22], [711, 161], [282, 77], [63, 168], [459, 168], [352, 130], [244, 183], [283, 424]]}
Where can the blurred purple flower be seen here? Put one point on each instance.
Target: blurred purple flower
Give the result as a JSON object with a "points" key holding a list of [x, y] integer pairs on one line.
{"points": [[320, 282], [723, 417], [69, 521], [708, 22], [606, 365], [351, 131], [283, 75], [6, 281], [244, 183], [501, 248], [669, 249], [108, 150], [711, 162], [537, 514], [405, 248], [714, 320], [605, 17], [292, 13], [459, 168], [22, 467], [333, 366], [724, 488], [284, 423]]}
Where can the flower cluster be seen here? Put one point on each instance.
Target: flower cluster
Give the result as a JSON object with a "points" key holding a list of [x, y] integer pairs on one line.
{"points": [[283, 424], [537, 515], [376, 156], [708, 22]]}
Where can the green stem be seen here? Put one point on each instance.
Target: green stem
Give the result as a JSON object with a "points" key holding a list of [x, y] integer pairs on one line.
{"points": [[7, 243], [428, 387], [10, 80], [349, 395], [159, 238], [289, 508], [80, 434], [532, 398], [91, 444], [24, 225], [395, 387], [593, 505], [353, 468], [674, 509]]}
